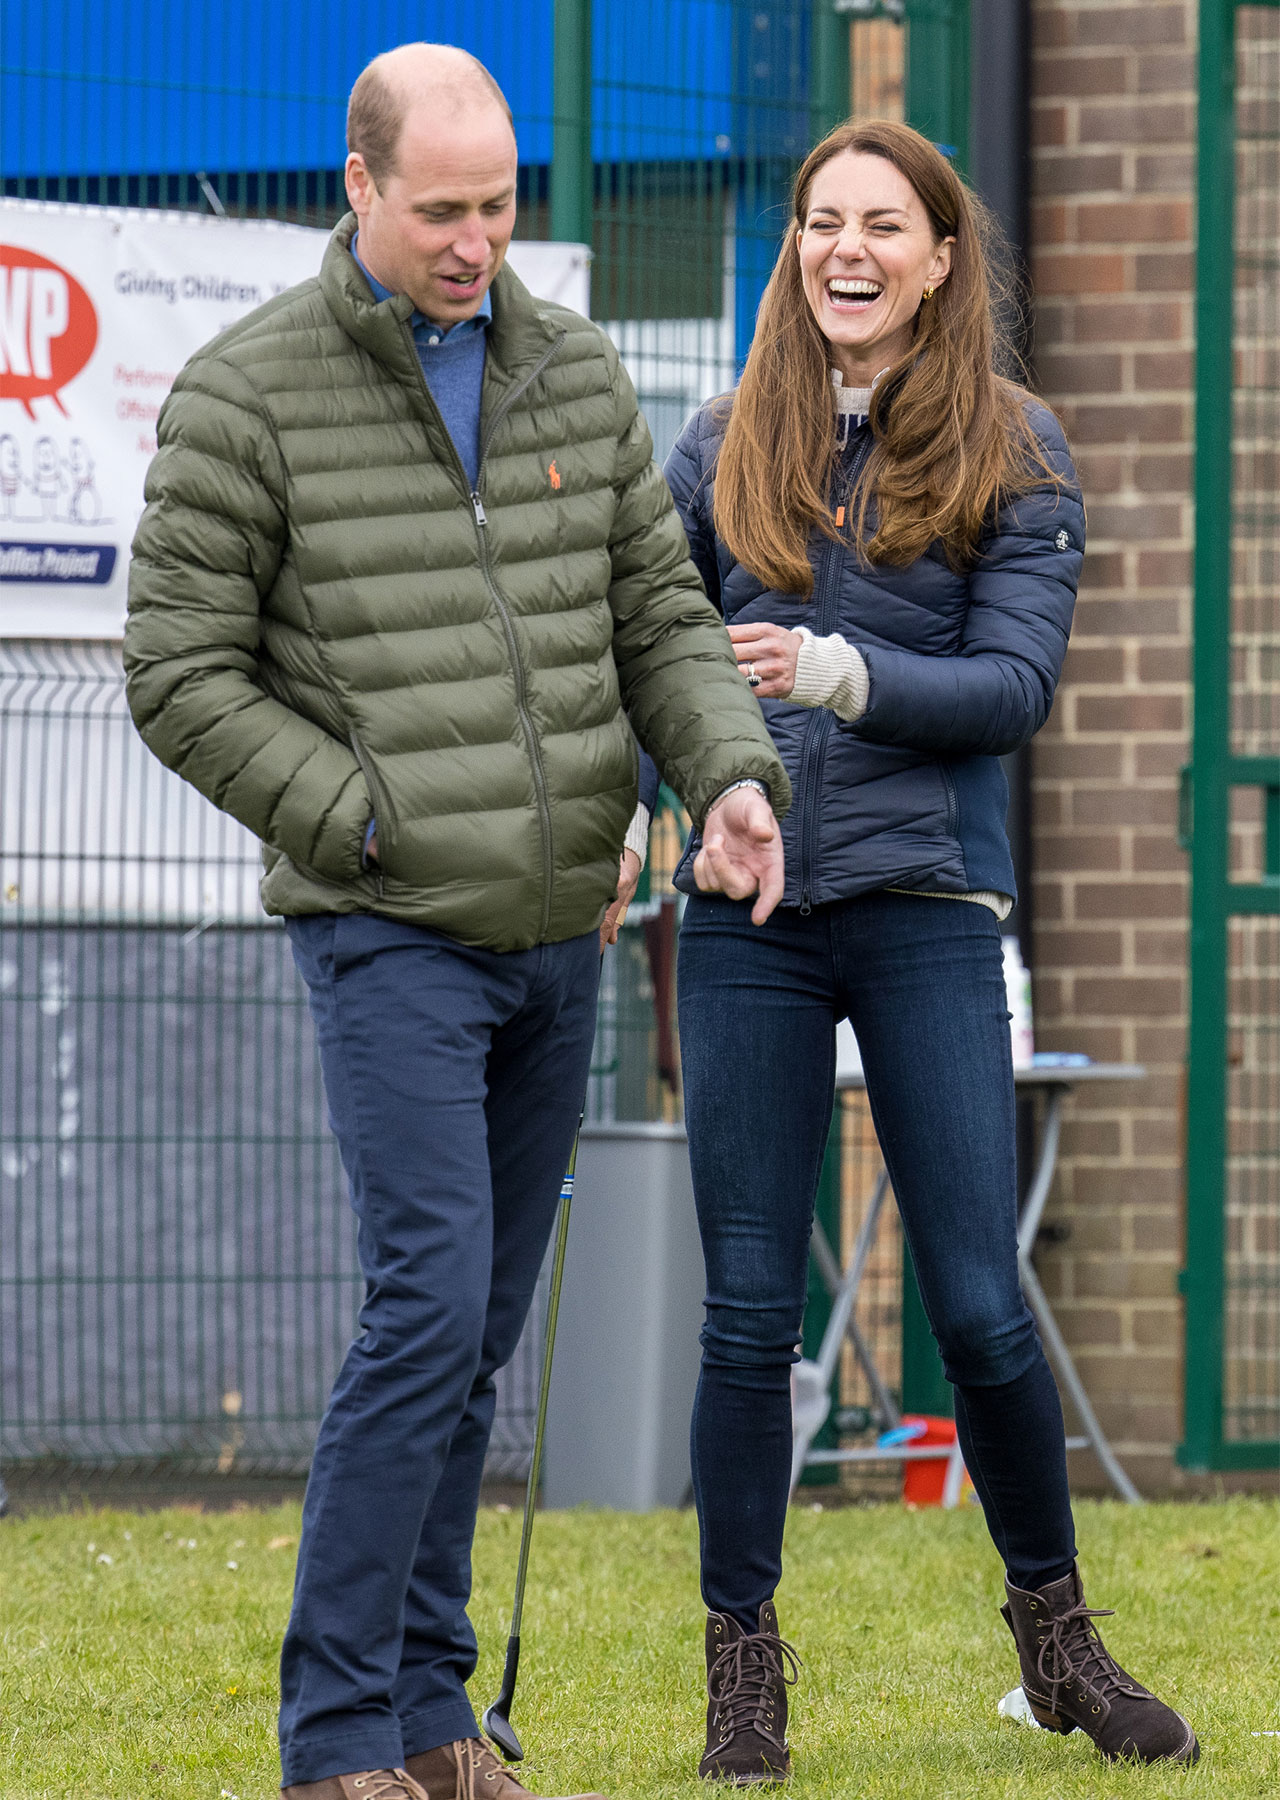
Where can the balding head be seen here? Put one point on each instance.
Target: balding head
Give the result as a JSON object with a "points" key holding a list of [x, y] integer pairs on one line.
{"points": [[438, 77], [431, 176]]}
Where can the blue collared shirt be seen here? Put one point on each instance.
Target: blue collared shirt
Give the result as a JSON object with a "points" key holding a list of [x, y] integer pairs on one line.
{"points": [[451, 358], [427, 334]]}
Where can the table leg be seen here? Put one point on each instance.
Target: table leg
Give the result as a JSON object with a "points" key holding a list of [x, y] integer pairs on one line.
{"points": [[829, 1269], [1065, 1369], [1054, 1343], [814, 1379], [842, 1305]]}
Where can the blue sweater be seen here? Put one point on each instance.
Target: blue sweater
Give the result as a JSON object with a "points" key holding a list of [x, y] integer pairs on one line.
{"points": [[452, 361]]}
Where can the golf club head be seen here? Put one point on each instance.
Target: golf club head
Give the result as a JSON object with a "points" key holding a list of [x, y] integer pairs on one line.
{"points": [[498, 1727]]}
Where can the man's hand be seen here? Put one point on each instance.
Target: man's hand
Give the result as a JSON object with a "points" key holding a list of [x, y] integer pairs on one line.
{"points": [[769, 652], [628, 879], [741, 852]]}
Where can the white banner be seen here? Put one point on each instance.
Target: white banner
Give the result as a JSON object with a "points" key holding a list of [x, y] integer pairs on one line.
{"points": [[99, 309]]}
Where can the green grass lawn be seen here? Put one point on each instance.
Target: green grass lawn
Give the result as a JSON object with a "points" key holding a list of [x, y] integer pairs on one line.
{"points": [[139, 1652]]}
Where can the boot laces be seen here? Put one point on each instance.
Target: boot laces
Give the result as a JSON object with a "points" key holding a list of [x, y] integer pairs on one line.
{"points": [[476, 1759], [385, 1784], [1073, 1651], [742, 1676]]}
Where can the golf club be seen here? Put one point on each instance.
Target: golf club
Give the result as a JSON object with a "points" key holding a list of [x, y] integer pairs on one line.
{"points": [[497, 1718]]}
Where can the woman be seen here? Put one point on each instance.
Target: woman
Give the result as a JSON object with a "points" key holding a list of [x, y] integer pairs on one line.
{"points": [[893, 533]]}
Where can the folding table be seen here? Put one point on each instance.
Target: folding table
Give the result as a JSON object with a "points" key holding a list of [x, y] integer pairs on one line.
{"points": [[811, 1385]]}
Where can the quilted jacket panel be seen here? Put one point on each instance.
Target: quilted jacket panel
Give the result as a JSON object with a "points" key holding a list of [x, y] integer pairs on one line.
{"points": [[324, 624]]}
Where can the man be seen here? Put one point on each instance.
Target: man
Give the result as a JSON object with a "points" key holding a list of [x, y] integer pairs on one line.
{"points": [[405, 562]]}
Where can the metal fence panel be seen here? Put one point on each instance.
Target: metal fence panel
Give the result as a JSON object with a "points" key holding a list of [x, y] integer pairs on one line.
{"points": [[177, 1270], [1251, 1371], [177, 1264], [1232, 1278]]}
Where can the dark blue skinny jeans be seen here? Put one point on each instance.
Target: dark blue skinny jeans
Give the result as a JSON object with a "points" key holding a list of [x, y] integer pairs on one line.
{"points": [[921, 981], [455, 1080]]}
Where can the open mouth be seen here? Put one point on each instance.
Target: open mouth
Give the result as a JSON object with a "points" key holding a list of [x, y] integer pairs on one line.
{"points": [[852, 295], [464, 286]]}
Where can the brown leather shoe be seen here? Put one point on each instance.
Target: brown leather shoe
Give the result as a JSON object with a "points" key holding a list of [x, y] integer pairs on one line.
{"points": [[365, 1784], [467, 1769], [748, 1674], [1072, 1681]]}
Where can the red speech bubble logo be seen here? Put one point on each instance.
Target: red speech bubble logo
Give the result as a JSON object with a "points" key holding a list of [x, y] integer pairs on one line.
{"points": [[48, 328]]}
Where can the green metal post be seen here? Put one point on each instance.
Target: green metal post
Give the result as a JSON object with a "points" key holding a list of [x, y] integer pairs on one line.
{"points": [[572, 181], [937, 80], [830, 99], [925, 1389], [937, 104], [817, 1308], [1202, 1279], [830, 91]]}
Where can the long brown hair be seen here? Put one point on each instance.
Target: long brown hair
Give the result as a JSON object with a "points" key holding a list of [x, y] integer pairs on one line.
{"points": [[950, 434]]}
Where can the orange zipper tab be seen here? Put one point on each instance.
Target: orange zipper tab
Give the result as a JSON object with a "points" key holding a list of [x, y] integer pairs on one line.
{"points": [[839, 517]]}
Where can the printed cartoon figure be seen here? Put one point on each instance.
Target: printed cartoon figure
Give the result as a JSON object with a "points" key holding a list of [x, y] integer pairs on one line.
{"points": [[49, 481], [85, 506], [10, 474]]}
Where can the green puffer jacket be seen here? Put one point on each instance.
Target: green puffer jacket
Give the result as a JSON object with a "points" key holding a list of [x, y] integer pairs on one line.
{"points": [[325, 625]]}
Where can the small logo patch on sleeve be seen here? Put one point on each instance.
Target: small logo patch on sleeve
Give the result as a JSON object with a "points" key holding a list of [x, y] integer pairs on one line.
{"points": [[554, 473], [1062, 540]]}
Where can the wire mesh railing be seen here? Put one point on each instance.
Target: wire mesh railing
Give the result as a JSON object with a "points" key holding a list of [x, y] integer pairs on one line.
{"points": [[177, 1270], [1232, 1276], [178, 1279], [1251, 1268]]}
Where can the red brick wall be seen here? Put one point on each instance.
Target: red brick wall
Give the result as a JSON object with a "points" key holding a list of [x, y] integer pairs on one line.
{"points": [[1113, 121]]}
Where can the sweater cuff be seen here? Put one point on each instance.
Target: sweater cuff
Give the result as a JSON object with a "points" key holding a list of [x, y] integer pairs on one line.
{"points": [[831, 672], [637, 837]]}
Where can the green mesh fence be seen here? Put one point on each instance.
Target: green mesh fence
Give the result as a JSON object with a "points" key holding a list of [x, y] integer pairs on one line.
{"points": [[177, 1274], [1232, 1278], [1251, 1367]]}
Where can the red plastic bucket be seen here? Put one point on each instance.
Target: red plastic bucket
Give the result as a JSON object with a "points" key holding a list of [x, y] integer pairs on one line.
{"points": [[923, 1482]]}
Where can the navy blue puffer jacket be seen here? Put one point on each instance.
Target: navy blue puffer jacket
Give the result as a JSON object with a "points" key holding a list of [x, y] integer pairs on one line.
{"points": [[962, 666]]}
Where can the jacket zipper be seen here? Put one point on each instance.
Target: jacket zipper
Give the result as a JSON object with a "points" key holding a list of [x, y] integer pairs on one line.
{"points": [[513, 647], [817, 730], [500, 605], [526, 721], [818, 727], [953, 805], [508, 401]]}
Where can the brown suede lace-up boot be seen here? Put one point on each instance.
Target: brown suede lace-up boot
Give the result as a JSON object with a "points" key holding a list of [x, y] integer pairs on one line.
{"points": [[1072, 1681], [748, 1674], [467, 1769], [365, 1784]]}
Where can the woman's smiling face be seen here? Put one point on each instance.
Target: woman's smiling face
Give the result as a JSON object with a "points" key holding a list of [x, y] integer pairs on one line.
{"points": [[867, 252]]}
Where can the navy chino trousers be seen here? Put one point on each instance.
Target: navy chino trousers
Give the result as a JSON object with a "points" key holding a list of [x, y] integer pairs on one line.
{"points": [[455, 1080]]}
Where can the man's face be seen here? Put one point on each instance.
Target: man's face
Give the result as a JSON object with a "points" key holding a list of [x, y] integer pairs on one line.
{"points": [[439, 227]]}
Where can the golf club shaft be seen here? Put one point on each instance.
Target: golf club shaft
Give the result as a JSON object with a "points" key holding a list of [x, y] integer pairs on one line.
{"points": [[544, 1387]]}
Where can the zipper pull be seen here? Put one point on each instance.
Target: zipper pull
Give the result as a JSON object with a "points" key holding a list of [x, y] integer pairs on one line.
{"points": [[478, 508], [805, 907]]}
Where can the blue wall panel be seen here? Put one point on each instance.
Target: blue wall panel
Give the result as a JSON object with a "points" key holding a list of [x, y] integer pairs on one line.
{"points": [[110, 87]]}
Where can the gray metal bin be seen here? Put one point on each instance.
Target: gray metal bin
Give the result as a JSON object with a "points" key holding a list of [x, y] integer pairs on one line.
{"points": [[626, 1359]]}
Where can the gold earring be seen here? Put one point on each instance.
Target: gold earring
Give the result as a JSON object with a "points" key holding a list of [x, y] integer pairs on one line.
{"points": [[929, 292]]}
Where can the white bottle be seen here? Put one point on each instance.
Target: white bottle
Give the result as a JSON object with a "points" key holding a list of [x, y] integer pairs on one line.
{"points": [[1017, 984]]}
